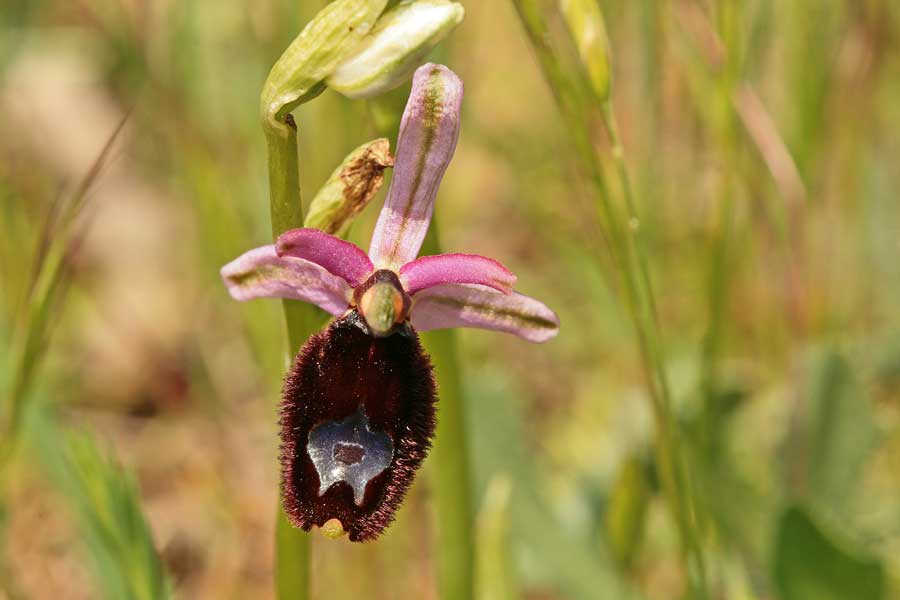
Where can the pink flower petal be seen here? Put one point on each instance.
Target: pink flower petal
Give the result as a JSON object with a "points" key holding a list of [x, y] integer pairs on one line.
{"points": [[428, 271], [261, 273], [428, 134], [341, 258], [460, 305]]}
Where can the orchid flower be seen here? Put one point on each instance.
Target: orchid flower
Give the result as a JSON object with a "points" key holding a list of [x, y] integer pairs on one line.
{"points": [[358, 410]]}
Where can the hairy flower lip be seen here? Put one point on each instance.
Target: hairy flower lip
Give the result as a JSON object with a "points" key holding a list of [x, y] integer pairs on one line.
{"points": [[338, 372]]}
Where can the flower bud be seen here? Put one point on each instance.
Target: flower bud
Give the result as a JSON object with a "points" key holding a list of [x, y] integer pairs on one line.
{"points": [[322, 45], [350, 188], [399, 43], [585, 23]]}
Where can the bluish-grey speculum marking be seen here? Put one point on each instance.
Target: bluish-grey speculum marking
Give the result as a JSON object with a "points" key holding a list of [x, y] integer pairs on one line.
{"points": [[349, 451]]}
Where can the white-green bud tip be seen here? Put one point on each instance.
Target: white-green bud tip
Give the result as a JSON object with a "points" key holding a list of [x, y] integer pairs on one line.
{"points": [[398, 44]]}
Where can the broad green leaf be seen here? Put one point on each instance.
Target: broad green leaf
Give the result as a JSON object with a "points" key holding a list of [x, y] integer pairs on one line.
{"points": [[809, 565], [549, 555], [842, 433]]}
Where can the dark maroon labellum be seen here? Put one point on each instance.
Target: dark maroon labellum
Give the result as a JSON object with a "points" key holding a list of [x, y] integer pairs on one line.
{"points": [[357, 418]]}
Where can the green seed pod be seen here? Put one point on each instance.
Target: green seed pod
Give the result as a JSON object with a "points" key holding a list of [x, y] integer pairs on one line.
{"points": [[399, 43], [585, 22], [322, 45], [350, 187], [627, 510]]}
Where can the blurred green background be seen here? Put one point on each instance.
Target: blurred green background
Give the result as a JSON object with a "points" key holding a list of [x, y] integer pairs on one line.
{"points": [[771, 220]]}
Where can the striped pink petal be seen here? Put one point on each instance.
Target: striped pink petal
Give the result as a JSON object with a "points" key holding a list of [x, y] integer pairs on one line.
{"points": [[261, 273], [428, 271], [460, 305], [339, 257], [428, 134]]}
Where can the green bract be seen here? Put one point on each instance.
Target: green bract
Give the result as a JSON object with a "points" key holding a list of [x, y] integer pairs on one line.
{"points": [[399, 43], [585, 23], [322, 45]]}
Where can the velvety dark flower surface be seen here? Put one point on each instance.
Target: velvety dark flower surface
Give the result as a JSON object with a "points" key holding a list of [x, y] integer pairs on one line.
{"points": [[357, 420], [358, 406]]}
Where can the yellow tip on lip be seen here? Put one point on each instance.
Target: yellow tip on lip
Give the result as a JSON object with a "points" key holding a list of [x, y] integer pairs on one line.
{"points": [[333, 529]]}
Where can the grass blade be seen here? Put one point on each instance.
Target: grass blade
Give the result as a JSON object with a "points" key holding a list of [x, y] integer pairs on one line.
{"points": [[105, 502]]}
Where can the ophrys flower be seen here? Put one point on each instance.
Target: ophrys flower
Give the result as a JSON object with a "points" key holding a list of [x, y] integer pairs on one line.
{"points": [[358, 406]]}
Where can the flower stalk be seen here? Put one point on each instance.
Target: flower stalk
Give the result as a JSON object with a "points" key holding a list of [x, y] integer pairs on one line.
{"points": [[336, 442], [358, 404], [293, 551], [295, 78], [331, 38]]}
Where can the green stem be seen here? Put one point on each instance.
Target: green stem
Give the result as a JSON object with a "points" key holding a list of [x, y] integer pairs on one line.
{"points": [[632, 264], [450, 470], [285, 201], [292, 560], [292, 546], [717, 286], [670, 454]]}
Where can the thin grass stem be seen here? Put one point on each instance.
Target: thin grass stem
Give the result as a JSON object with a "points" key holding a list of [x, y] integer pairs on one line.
{"points": [[720, 248], [633, 271], [46, 294]]}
